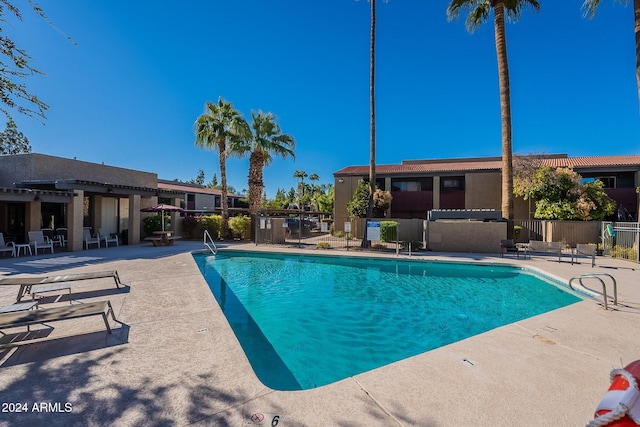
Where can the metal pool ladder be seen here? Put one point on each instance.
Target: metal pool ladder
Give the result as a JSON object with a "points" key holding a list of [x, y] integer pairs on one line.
{"points": [[209, 243], [597, 276]]}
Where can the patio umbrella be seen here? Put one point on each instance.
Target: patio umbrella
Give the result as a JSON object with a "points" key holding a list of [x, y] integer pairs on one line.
{"points": [[162, 208]]}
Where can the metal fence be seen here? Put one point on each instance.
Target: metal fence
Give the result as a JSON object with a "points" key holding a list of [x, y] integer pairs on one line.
{"points": [[617, 239], [570, 233], [621, 240], [313, 231]]}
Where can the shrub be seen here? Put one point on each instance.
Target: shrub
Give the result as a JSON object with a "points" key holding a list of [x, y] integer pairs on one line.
{"points": [[189, 224], [240, 226], [213, 224], [388, 231], [154, 223], [517, 230], [323, 245]]}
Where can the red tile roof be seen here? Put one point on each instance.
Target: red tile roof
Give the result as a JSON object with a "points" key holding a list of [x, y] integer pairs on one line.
{"points": [[491, 164]]}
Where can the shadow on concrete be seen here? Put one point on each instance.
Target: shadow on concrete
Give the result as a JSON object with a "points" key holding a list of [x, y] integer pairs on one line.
{"points": [[40, 350], [45, 263], [93, 390]]}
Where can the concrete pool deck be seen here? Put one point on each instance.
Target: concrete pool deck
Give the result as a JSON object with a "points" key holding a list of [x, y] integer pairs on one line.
{"points": [[173, 359]]}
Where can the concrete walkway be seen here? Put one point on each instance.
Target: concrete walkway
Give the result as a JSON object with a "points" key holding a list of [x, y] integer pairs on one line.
{"points": [[173, 359]]}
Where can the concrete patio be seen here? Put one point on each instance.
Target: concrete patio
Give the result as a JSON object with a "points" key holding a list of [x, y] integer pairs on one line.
{"points": [[173, 359]]}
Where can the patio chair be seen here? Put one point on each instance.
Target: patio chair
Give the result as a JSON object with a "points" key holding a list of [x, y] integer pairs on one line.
{"points": [[508, 245], [49, 235], [89, 239], [7, 247], [61, 236], [37, 240], [106, 238]]}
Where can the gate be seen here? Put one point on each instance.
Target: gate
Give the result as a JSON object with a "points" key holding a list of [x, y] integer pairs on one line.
{"points": [[621, 240]]}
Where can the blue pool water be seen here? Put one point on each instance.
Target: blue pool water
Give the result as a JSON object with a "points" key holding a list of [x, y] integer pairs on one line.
{"points": [[306, 321]]}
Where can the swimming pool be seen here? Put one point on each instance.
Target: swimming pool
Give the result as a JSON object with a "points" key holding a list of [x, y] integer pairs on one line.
{"points": [[307, 320]]}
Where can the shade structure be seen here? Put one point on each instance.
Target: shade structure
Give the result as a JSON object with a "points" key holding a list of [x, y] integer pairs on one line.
{"points": [[162, 208]]}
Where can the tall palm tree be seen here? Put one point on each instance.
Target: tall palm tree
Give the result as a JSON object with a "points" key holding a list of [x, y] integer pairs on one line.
{"points": [[301, 175], [314, 190], [590, 6], [372, 119], [478, 13], [266, 140], [216, 128]]}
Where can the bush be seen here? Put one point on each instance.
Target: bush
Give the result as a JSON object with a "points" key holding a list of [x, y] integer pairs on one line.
{"points": [[154, 223], [213, 224], [189, 224], [240, 226], [388, 231], [517, 230], [323, 245]]}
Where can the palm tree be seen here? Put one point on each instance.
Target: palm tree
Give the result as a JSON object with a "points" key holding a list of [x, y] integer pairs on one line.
{"points": [[478, 13], [218, 126], [372, 120], [314, 190], [590, 7], [301, 175], [266, 140]]}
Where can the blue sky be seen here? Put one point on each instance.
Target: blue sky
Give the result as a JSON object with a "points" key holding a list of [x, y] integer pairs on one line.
{"points": [[129, 92]]}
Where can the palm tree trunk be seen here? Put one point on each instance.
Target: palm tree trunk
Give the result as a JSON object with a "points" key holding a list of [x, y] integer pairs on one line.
{"points": [[224, 232], [256, 183], [505, 108], [636, 13], [372, 105]]}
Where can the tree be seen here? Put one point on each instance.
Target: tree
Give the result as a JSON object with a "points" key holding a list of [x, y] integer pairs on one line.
{"points": [[15, 66], [314, 190], [199, 180], [218, 126], [372, 119], [590, 7], [478, 13], [266, 141], [13, 141], [326, 200], [359, 205], [561, 195], [301, 175]]}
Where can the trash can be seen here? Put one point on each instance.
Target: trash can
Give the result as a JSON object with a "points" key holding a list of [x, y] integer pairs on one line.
{"points": [[124, 237]]}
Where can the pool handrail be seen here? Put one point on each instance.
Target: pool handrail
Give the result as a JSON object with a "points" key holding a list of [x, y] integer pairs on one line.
{"points": [[206, 239], [604, 287]]}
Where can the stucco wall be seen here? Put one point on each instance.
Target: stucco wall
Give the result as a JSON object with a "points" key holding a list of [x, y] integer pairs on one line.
{"points": [[483, 191], [344, 193], [466, 236], [40, 167]]}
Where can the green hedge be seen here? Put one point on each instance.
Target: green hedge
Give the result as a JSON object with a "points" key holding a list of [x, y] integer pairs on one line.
{"points": [[213, 224], [388, 231], [153, 223], [240, 226]]}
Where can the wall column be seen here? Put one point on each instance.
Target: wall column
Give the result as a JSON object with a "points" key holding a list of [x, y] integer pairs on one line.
{"points": [[75, 222], [436, 192], [134, 219], [176, 223], [33, 217]]}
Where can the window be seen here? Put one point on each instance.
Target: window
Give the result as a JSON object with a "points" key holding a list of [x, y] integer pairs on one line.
{"points": [[452, 183], [412, 184], [608, 181]]}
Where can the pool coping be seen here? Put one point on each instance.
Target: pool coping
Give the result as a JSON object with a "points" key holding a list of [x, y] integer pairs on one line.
{"points": [[175, 360]]}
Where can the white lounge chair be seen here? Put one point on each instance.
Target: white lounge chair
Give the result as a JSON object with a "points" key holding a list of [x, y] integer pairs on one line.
{"points": [[7, 247], [38, 241], [106, 238], [50, 235], [61, 236], [89, 239]]}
